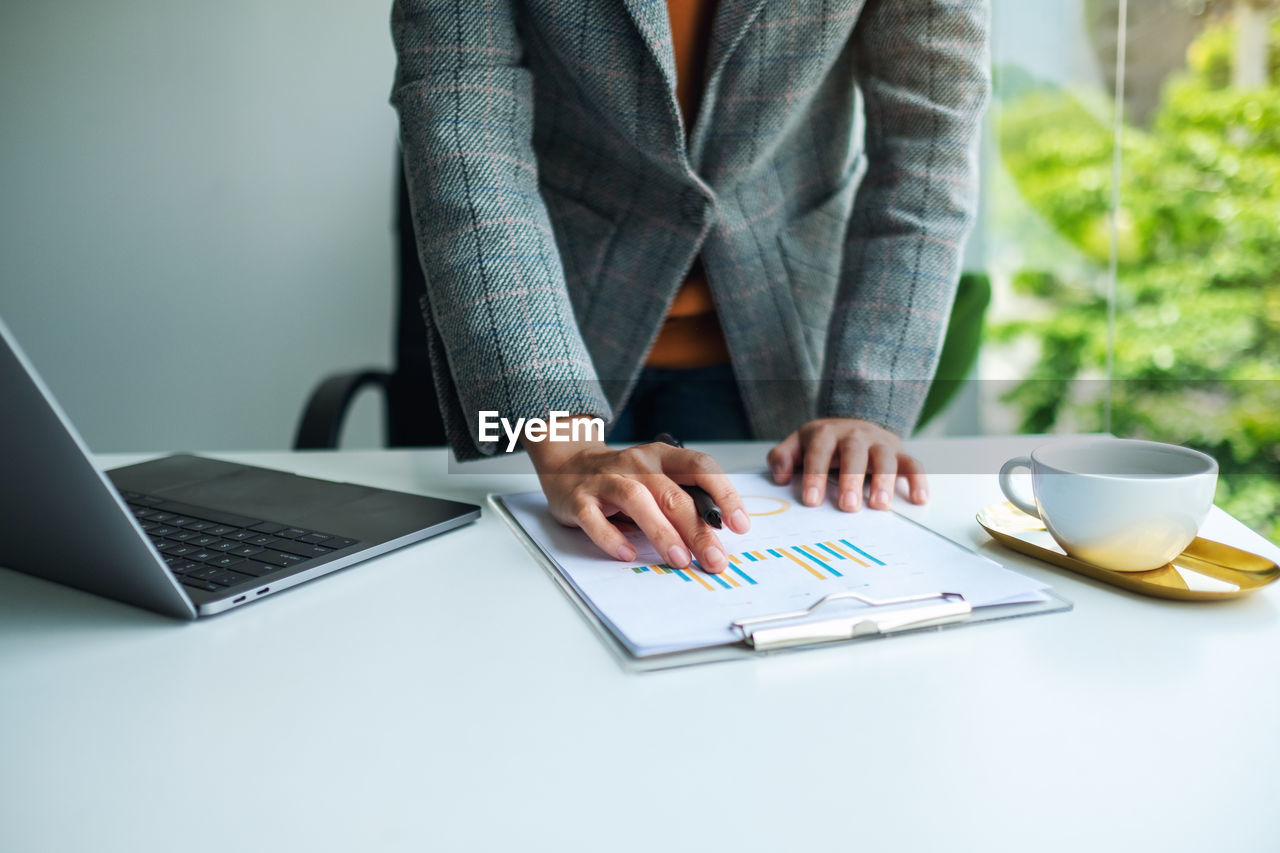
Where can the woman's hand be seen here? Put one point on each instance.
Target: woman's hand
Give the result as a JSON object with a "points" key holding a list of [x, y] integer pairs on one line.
{"points": [[860, 449], [587, 482]]}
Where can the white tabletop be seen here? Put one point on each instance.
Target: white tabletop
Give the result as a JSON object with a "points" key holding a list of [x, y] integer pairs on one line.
{"points": [[450, 697]]}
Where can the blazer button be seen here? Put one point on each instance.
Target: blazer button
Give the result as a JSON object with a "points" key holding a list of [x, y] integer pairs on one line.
{"points": [[692, 207]]}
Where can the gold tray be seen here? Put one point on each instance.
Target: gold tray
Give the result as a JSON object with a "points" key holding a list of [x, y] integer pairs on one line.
{"points": [[1205, 571]]}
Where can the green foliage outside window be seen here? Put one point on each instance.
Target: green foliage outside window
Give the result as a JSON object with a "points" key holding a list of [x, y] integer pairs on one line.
{"points": [[1197, 342]]}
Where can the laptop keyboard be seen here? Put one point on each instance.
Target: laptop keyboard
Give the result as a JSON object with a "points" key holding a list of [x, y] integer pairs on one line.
{"points": [[214, 551]]}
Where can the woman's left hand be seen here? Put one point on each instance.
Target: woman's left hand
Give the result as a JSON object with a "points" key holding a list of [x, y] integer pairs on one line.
{"points": [[860, 449]]}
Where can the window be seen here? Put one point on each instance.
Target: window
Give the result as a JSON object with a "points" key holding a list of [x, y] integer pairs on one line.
{"points": [[1137, 290]]}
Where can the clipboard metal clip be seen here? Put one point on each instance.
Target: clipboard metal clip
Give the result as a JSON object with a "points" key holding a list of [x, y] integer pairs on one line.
{"points": [[930, 610]]}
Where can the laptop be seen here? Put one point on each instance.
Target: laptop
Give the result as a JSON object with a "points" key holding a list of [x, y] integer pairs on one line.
{"points": [[183, 535]]}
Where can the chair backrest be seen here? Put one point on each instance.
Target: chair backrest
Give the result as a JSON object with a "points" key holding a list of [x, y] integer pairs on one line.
{"points": [[413, 410]]}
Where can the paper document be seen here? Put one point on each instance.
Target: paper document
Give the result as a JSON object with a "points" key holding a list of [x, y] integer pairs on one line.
{"points": [[792, 556]]}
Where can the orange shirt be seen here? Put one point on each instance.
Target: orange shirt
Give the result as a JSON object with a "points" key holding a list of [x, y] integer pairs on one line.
{"points": [[691, 335]]}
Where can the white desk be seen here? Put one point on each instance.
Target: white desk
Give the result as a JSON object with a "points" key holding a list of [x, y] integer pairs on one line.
{"points": [[449, 697]]}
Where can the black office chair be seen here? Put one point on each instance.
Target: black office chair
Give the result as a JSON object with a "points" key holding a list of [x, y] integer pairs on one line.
{"points": [[412, 412], [412, 409]]}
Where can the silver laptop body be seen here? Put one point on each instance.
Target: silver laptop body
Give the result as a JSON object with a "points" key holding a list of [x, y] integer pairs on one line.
{"points": [[133, 534]]}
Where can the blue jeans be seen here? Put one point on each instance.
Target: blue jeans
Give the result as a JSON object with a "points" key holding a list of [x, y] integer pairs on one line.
{"points": [[693, 404]]}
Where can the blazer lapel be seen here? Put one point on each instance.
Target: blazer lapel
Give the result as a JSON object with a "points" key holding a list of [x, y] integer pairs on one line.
{"points": [[733, 18], [650, 18]]}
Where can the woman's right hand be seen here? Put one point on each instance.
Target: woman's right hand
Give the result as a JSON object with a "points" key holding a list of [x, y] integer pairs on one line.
{"points": [[587, 482]]}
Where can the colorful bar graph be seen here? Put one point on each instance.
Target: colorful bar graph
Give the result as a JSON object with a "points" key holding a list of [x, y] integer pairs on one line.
{"points": [[822, 560], [802, 564], [829, 550], [690, 574], [845, 554], [814, 557], [862, 552], [818, 559], [727, 583]]}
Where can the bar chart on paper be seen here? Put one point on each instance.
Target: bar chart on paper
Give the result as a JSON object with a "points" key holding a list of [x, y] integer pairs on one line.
{"points": [[792, 556], [822, 560]]}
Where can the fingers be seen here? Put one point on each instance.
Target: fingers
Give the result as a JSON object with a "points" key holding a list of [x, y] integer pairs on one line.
{"points": [[666, 515], [608, 538], [820, 447], [698, 469], [853, 468], [679, 508], [637, 502], [917, 483], [883, 465], [862, 449], [642, 483], [784, 458]]}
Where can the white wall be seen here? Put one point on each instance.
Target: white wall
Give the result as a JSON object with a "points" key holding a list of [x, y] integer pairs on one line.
{"points": [[195, 210]]}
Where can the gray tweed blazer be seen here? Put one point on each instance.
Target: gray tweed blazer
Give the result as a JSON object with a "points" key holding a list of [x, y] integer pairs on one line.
{"points": [[828, 185]]}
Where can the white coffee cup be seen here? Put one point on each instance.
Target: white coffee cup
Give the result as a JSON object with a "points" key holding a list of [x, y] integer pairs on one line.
{"points": [[1121, 504]]}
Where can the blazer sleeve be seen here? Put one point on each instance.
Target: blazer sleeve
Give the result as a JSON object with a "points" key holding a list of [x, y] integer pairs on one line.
{"points": [[496, 291], [923, 68]]}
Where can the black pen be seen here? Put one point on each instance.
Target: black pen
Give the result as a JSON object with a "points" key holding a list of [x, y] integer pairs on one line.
{"points": [[703, 502]]}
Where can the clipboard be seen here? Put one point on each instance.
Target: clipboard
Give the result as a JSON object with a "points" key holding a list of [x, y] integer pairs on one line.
{"points": [[794, 630]]}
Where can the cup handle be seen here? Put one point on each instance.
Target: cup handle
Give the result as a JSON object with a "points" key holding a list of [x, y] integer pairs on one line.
{"points": [[1006, 484]]}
